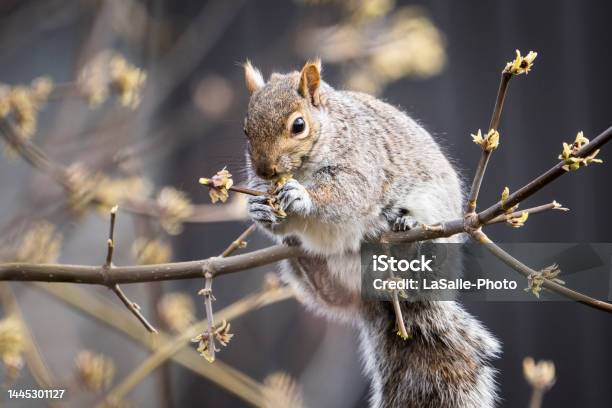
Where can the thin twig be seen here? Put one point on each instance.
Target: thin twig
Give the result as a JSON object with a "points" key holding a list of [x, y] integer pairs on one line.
{"points": [[486, 154], [247, 191], [134, 308], [526, 271], [533, 210], [238, 242], [108, 265], [209, 297], [399, 318], [210, 183], [499, 102], [111, 237]]}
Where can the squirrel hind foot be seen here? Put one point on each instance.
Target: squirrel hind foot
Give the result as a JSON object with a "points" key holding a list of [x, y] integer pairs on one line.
{"points": [[399, 218], [405, 223]]}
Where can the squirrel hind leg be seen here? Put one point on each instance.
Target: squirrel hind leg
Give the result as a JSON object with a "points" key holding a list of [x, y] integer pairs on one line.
{"points": [[318, 289]]}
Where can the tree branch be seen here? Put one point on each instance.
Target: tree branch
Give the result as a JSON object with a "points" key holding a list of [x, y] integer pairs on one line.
{"points": [[145, 273], [542, 180], [425, 232], [526, 271]]}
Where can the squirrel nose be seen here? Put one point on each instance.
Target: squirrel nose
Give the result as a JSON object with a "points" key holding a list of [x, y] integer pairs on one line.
{"points": [[266, 171]]}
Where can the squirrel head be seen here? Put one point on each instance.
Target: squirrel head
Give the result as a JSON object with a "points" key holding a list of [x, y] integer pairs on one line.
{"points": [[281, 124]]}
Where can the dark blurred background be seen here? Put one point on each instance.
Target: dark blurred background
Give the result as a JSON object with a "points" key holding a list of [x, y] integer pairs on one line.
{"points": [[439, 60]]}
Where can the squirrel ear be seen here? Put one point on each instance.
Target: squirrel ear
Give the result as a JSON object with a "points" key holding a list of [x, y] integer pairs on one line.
{"points": [[310, 81], [252, 77]]}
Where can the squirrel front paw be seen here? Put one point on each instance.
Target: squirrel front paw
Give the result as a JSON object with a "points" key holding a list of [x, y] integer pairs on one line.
{"points": [[260, 211], [294, 198]]}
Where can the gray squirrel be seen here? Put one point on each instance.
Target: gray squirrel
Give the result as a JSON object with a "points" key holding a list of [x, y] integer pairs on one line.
{"points": [[361, 167]]}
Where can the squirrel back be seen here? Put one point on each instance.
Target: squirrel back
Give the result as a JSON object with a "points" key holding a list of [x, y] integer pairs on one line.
{"points": [[361, 167]]}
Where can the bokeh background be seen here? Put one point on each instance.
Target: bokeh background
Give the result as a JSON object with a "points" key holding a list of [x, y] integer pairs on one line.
{"points": [[439, 60]]}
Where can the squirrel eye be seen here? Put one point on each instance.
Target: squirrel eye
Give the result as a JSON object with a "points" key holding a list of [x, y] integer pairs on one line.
{"points": [[298, 126]]}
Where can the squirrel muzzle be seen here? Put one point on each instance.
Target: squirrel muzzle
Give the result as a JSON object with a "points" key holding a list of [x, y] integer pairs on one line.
{"points": [[266, 170]]}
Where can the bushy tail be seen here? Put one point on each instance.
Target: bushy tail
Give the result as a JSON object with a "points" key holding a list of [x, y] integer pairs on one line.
{"points": [[444, 363]]}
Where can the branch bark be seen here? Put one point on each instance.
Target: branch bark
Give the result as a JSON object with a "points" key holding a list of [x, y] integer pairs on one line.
{"points": [[145, 273]]}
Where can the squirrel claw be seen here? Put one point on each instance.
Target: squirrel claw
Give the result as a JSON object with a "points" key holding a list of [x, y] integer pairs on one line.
{"points": [[261, 212], [293, 197], [405, 223]]}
